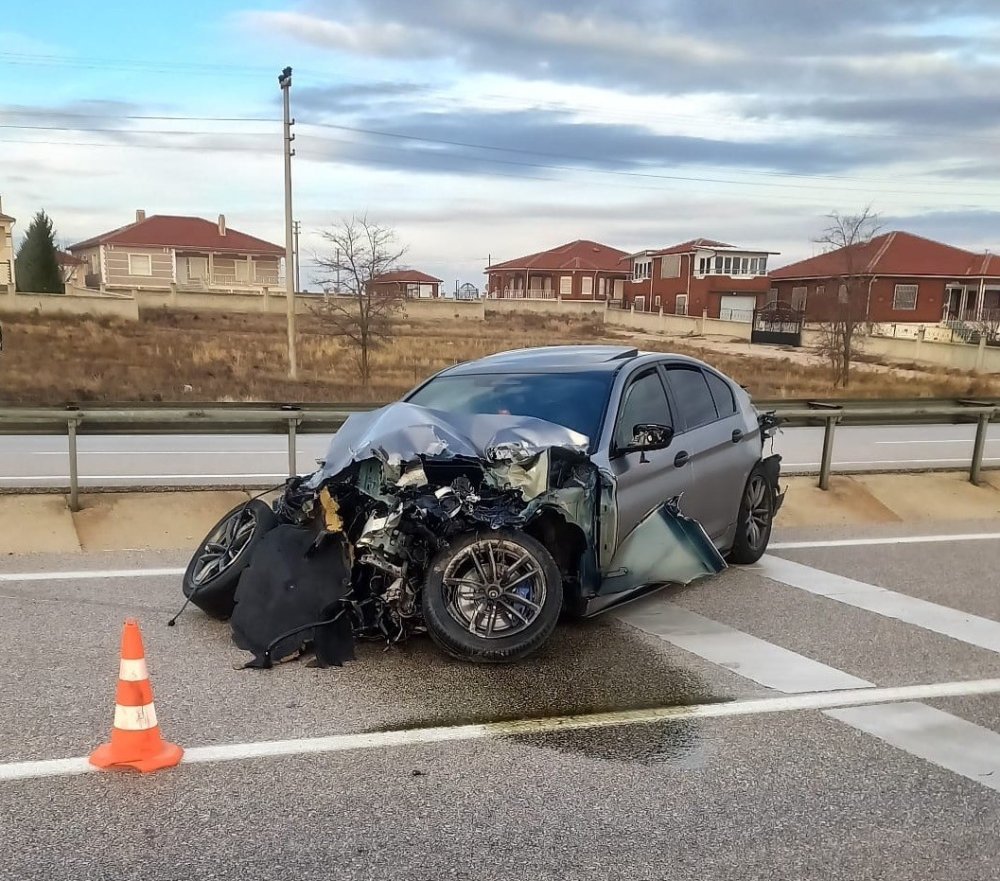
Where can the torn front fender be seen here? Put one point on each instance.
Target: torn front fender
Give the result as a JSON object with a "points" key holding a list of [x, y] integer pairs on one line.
{"points": [[666, 547]]}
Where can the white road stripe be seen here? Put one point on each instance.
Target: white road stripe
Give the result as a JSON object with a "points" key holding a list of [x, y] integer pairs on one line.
{"points": [[958, 440], [162, 453], [894, 540], [386, 739], [18, 479], [933, 735], [87, 574], [963, 460], [963, 626], [746, 655]]}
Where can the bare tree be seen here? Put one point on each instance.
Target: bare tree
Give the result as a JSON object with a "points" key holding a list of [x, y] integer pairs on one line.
{"points": [[844, 309], [988, 325], [357, 252]]}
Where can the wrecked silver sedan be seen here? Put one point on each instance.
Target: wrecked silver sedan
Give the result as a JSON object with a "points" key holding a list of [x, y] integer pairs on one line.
{"points": [[498, 495]]}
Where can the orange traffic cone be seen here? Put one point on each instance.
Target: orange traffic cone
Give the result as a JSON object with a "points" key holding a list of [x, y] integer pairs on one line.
{"points": [[135, 737]]}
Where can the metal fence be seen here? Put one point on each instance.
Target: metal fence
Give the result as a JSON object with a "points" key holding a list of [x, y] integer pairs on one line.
{"points": [[290, 420]]}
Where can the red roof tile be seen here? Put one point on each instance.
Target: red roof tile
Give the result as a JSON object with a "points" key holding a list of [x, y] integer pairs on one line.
{"points": [[413, 276], [581, 255], [65, 259], [895, 253], [171, 231]]}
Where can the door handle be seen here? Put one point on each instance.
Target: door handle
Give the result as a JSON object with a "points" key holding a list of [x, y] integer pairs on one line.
{"points": [[737, 436], [680, 460]]}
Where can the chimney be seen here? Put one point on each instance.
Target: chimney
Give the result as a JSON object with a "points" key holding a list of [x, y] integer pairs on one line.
{"points": [[222, 224], [140, 215]]}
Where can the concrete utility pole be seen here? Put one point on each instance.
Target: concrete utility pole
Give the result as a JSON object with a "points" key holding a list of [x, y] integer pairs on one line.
{"points": [[296, 228], [285, 83]]}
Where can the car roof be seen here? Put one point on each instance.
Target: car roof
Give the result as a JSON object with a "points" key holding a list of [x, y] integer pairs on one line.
{"points": [[561, 359]]}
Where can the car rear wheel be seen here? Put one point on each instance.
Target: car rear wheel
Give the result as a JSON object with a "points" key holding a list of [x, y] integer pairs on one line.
{"points": [[492, 596], [214, 571], [756, 517]]}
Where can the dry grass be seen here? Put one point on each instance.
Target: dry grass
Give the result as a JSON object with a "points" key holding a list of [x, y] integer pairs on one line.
{"points": [[188, 356]]}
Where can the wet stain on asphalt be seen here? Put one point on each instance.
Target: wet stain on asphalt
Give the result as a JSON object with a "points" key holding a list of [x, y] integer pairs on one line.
{"points": [[586, 667]]}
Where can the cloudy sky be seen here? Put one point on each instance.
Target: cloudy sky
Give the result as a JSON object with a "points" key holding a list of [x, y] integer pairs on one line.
{"points": [[488, 130]]}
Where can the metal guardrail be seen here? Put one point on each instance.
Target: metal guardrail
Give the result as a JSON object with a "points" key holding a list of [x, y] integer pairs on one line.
{"points": [[310, 418]]}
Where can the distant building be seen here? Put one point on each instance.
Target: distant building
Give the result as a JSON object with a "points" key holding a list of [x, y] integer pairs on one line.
{"points": [[164, 249], [74, 270], [7, 279], [408, 283], [700, 276], [580, 270], [906, 278]]}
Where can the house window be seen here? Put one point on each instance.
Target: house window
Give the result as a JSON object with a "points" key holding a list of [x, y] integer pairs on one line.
{"points": [[197, 267], [565, 285], [681, 305], [602, 287], [772, 296], [639, 304], [587, 286], [670, 266], [656, 303], [642, 269], [412, 290], [799, 295], [905, 297], [727, 265], [821, 290], [140, 264], [704, 265], [842, 295]]}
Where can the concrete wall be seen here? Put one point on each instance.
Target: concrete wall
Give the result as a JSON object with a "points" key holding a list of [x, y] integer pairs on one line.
{"points": [[445, 309], [677, 324], [546, 307], [76, 301], [954, 356]]}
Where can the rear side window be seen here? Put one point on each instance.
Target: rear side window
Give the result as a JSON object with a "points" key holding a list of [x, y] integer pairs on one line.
{"points": [[722, 394], [644, 401], [693, 396]]}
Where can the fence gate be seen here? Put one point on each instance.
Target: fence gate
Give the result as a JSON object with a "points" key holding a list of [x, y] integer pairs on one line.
{"points": [[777, 324]]}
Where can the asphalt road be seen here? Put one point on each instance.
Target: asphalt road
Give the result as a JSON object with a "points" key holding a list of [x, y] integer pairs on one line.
{"points": [[255, 460], [797, 747]]}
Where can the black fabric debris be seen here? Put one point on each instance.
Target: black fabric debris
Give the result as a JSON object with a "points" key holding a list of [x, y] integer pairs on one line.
{"points": [[295, 575]]}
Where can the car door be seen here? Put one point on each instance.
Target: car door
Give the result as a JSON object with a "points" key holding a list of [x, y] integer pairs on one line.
{"points": [[643, 480], [713, 443]]}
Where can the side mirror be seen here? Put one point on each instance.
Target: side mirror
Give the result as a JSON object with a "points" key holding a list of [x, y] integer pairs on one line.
{"points": [[647, 436]]}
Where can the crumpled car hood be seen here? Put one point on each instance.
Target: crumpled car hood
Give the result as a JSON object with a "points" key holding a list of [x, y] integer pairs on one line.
{"points": [[399, 433]]}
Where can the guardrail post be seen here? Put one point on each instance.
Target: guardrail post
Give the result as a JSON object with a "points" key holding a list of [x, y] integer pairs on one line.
{"points": [[74, 475], [977, 450], [292, 426], [827, 460]]}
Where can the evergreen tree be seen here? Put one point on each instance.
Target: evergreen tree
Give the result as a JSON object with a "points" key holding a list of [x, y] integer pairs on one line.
{"points": [[36, 265]]}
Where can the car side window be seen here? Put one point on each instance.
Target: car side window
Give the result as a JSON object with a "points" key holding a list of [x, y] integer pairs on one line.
{"points": [[644, 401], [722, 394], [692, 396]]}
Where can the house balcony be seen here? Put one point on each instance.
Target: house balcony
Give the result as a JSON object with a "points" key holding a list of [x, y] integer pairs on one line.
{"points": [[522, 294], [229, 282]]}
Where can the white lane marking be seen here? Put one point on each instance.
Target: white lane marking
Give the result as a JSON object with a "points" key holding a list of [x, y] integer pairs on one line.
{"points": [[836, 462], [17, 479], [932, 735], [385, 739], [763, 662], [896, 540], [963, 626], [92, 574], [957, 440]]}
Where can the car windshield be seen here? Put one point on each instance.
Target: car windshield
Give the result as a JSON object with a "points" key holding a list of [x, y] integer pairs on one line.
{"points": [[574, 400]]}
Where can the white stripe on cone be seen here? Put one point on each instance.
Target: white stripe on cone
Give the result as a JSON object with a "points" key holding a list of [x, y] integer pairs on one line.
{"points": [[135, 718], [132, 670]]}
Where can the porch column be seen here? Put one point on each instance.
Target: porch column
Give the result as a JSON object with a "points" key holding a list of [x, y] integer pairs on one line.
{"points": [[211, 268], [982, 296]]}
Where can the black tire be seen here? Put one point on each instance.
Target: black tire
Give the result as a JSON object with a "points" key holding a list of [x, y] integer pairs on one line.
{"points": [[215, 594], [755, 520], [529, 607]]}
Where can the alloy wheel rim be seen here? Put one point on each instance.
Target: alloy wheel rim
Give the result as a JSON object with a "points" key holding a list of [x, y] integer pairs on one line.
{"points": [[224, 546], [758, 510], [494, 588]]}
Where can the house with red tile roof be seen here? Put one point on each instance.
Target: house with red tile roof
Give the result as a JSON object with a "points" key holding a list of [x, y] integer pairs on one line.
{"points": [[193, 253], [580, 270], [408, 283], [906, 278], [73, 268], [698, 277]]}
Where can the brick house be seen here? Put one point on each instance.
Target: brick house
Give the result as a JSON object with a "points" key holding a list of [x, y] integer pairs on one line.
{"points": [[195, 254], [905, 278], [7, 280], [701, 276], [580, 270], [408, 282]]}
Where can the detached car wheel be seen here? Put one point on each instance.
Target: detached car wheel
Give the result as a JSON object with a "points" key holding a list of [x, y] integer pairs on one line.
{"points": [[492, 596], [214, 571], [756, 517]]}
